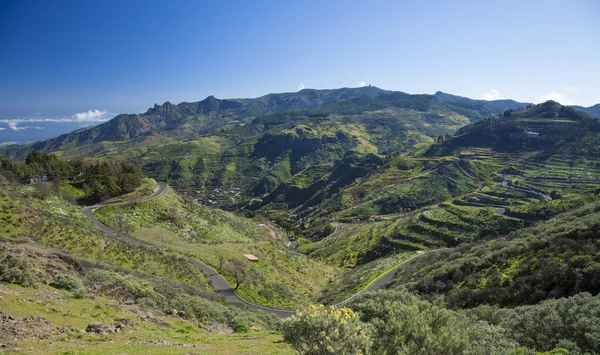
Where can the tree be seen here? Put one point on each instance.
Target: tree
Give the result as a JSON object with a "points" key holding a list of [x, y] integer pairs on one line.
{"points": [[238, 270], [43, 190], [221, 263], [123, 225], [56, 184]]}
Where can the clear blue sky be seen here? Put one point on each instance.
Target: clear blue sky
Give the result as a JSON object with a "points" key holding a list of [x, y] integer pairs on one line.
{"points": [[59, 58]]}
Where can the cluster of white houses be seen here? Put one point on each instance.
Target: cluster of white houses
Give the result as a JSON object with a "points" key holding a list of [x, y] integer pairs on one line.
{"points": [[36, 179]]}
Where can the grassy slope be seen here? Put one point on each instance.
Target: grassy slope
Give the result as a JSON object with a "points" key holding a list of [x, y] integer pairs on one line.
{"points": [[404, 184], [36, 230], [76, 314], [47, 320], [55, 223], [281, 278]]}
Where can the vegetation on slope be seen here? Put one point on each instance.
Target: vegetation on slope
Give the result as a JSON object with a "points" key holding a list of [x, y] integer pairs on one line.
{"points": [[397, 322], [59, 224], [72, 306], [551, 259], [549, 126], [281, 277], [445, 226], [99, 180]]}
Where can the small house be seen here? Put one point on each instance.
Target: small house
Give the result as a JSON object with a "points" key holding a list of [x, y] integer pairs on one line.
{"points": [[251, 257]]}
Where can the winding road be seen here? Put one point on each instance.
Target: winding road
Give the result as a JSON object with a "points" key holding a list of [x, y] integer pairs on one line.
{"points": [[506, 183], [218, 282]]}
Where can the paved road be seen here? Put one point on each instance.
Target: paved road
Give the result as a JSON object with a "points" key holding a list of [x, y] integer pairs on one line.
{"points": [[162, 187], [505, 183], [381, 281], [218, 282], [538, 179]]}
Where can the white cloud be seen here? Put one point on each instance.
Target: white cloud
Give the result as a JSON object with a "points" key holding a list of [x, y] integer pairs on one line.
{"points": [[571, 89], [558, 97], [91, 115], [301, 86], [2, 129], [362, 83], [81, 117], [14, 125], [492, 94]]}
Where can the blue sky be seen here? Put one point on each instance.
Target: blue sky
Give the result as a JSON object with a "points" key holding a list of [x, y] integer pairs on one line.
{"points": [[89, 60]]}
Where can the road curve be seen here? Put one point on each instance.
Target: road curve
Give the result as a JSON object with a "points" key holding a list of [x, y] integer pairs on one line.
{"points": [[506, 183], [218, 282]]}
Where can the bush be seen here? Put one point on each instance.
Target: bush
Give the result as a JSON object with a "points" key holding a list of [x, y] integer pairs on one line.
{"points": [[240, 328], [66, 282], [201, 309], [69, 283], [19, 271], [567, 323], [320, 330], [405, 324], [126, 288]]}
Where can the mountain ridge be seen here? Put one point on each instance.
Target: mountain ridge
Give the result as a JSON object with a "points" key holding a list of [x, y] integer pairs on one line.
{"points": [[200, 117]]}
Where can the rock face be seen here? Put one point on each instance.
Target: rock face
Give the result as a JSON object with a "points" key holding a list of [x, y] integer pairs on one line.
{"points": [[15, 328], [103, 328], [216, 328]]}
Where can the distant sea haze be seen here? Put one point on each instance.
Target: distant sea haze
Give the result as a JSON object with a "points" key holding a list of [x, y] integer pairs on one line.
{"points": [[36, 131]]}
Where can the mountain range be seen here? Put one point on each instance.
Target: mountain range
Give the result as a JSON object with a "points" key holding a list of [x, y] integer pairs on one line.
{"points": [[311, 197]]}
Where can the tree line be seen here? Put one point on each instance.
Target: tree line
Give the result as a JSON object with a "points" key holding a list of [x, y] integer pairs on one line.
{"points": [[99, 179]]}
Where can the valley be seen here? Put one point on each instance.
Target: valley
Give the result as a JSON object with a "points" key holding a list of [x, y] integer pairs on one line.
{"points": [[208, 222]]}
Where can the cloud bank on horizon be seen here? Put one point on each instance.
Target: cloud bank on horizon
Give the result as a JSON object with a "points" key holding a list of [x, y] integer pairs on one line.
{"points": [[492, 94], [90, 116]]}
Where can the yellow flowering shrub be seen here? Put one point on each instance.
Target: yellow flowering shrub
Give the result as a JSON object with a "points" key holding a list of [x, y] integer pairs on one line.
{"points": [[326, 330]]}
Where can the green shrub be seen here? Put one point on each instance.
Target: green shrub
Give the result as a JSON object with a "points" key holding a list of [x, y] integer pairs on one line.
{"points": [[568, 323], [69, 283], [66, 282], [126, 288], [240, 328], [200, 309], [20, 271], [319, 331], [405, 324]]}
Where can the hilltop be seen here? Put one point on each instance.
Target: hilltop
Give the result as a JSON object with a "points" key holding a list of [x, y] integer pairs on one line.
{"points": [[548, 127]]}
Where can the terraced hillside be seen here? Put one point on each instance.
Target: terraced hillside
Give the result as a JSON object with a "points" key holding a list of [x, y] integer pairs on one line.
{"points": [[432, 228], [548, 127], [418, 203], [551, 259]]}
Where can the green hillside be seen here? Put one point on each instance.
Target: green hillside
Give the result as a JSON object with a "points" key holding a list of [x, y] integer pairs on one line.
{"points": [[280, 278], [548, 127], [555, 258], [335, 194]]}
